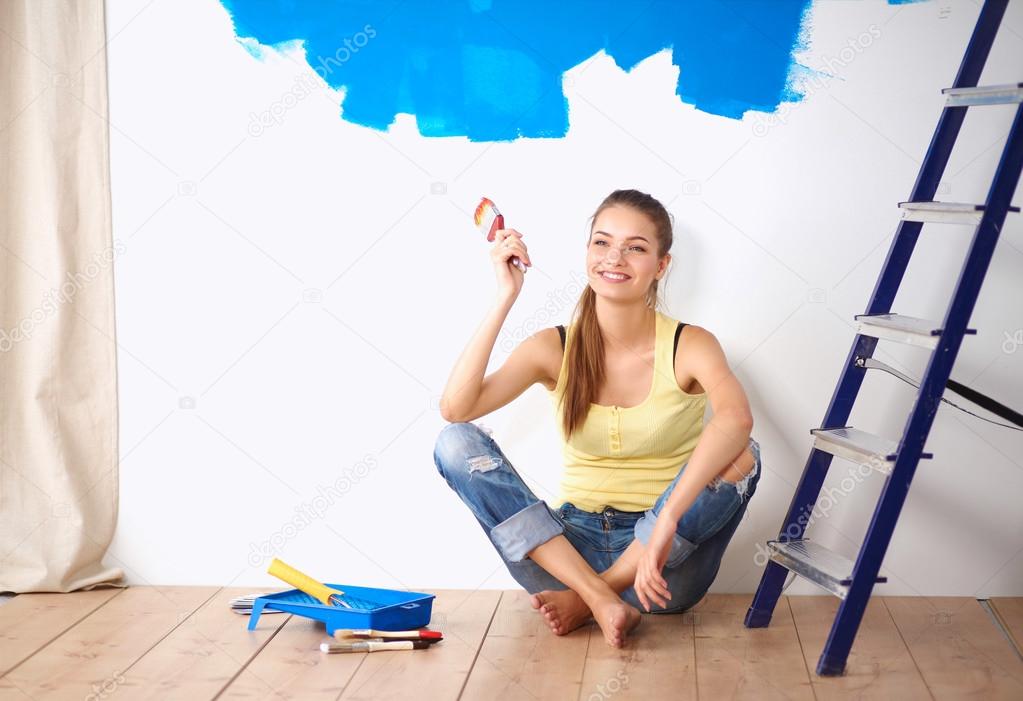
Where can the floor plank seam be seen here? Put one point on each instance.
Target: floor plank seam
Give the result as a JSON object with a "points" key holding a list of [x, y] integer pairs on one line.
{"points": [[351, 678], [479, 648], [586, 660], [799, 640], [62, 632], [181, 622], [799, 644], [692, 630], [909, 650], [253, 656]]}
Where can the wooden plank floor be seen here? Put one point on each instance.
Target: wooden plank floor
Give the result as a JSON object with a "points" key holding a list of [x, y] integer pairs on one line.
{"points": [[185, 643]]}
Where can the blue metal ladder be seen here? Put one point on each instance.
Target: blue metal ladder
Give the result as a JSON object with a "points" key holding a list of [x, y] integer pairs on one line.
{"points": [[852, 582]]}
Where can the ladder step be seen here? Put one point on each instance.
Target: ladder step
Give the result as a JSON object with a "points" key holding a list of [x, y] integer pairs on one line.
{"points": [[944, 212], [1006, 94], [825, 568], [902, 328], [859, 447]]}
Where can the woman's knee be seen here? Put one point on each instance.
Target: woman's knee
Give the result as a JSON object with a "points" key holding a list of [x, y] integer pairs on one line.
{"points": [[455, 444]]}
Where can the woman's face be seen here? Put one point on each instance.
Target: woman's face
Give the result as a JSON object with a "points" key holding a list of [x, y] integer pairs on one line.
{"points": [[623, 242]]}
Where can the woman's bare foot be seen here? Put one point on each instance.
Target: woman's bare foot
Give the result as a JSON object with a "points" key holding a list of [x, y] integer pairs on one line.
{"points": [[615, 618], [564, 610]]}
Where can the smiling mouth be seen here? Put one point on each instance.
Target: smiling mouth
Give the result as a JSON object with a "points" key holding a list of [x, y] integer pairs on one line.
{"points": [[617, 277]]}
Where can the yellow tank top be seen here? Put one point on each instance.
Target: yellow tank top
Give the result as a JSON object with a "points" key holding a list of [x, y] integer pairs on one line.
{"points": [[625, 457]]}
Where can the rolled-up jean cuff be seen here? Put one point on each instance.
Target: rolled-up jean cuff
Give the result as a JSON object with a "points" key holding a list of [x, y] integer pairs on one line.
{"points": [[518, 534], [680, 547]]}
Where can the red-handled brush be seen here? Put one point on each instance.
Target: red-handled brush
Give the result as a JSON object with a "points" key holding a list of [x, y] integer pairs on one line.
{"points": [[363, 633], [488, 220]]}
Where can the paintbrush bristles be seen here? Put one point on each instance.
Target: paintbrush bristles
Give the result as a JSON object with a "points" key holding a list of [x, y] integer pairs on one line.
{"points": [[482, 210]]}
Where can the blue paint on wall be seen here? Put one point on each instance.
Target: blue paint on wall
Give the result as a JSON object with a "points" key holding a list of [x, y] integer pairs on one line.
{"points": [[492, 70]]}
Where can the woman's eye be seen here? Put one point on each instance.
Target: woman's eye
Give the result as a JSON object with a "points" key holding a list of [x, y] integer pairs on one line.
{"points": [[602, 242]]}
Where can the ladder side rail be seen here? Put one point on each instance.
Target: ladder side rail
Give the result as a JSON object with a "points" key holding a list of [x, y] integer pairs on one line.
{"points": [[939, 367], [938, 152]]}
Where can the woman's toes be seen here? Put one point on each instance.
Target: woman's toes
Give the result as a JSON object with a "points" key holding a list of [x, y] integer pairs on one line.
{"points": [[535, 601]]}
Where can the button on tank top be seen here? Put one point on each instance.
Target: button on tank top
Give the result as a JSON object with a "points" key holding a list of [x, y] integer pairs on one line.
{"points": [[625, 457]]}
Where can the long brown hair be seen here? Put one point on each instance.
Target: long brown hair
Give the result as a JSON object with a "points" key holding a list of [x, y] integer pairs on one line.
{"points": [[586, 347]]}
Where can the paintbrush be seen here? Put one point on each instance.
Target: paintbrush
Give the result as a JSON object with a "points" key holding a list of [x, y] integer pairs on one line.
{"points": [[489, 220], [428, 641], [369, 646], [363, 633]]}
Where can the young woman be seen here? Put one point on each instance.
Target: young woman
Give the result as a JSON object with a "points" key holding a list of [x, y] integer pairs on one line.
{"points": [[650, 496]]}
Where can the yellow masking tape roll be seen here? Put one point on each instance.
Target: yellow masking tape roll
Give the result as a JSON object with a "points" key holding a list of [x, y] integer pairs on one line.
{"points": [[304, 582]]}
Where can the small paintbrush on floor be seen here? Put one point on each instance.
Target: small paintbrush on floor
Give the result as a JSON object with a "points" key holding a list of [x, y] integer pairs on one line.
{"points": [[373, 646], [349, 634]]}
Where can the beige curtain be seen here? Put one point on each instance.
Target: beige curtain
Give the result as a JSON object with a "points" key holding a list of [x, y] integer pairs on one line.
{"points": [[58, 391]]}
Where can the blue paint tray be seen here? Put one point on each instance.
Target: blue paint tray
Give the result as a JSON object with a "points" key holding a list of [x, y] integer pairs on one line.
{"points": [[383, 609]]}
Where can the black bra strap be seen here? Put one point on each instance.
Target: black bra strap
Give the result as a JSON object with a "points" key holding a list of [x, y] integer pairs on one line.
{"points": [[678, 332], [674, 352]]}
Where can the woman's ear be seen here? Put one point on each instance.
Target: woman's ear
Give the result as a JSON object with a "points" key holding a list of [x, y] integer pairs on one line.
{"points": [[664, 265]]}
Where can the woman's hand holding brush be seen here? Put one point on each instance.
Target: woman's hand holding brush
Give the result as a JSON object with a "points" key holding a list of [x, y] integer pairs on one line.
{"points": [[509, 253], [508, 245]]}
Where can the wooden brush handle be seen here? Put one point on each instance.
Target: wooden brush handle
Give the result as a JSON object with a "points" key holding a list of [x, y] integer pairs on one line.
{"points": [[515, 260]]}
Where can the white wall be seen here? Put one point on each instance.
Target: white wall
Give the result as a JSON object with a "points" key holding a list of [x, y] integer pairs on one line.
{"points": [[290, 303]]}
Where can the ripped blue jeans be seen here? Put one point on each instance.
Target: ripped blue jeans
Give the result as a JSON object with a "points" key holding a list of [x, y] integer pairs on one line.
{"points": [[516, 521]]}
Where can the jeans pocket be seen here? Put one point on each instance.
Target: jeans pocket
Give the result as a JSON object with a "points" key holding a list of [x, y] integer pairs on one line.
{"points": [[585, 531]]}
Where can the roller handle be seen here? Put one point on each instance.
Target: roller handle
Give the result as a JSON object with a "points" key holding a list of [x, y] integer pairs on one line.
{"points": [[303, 582]]}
